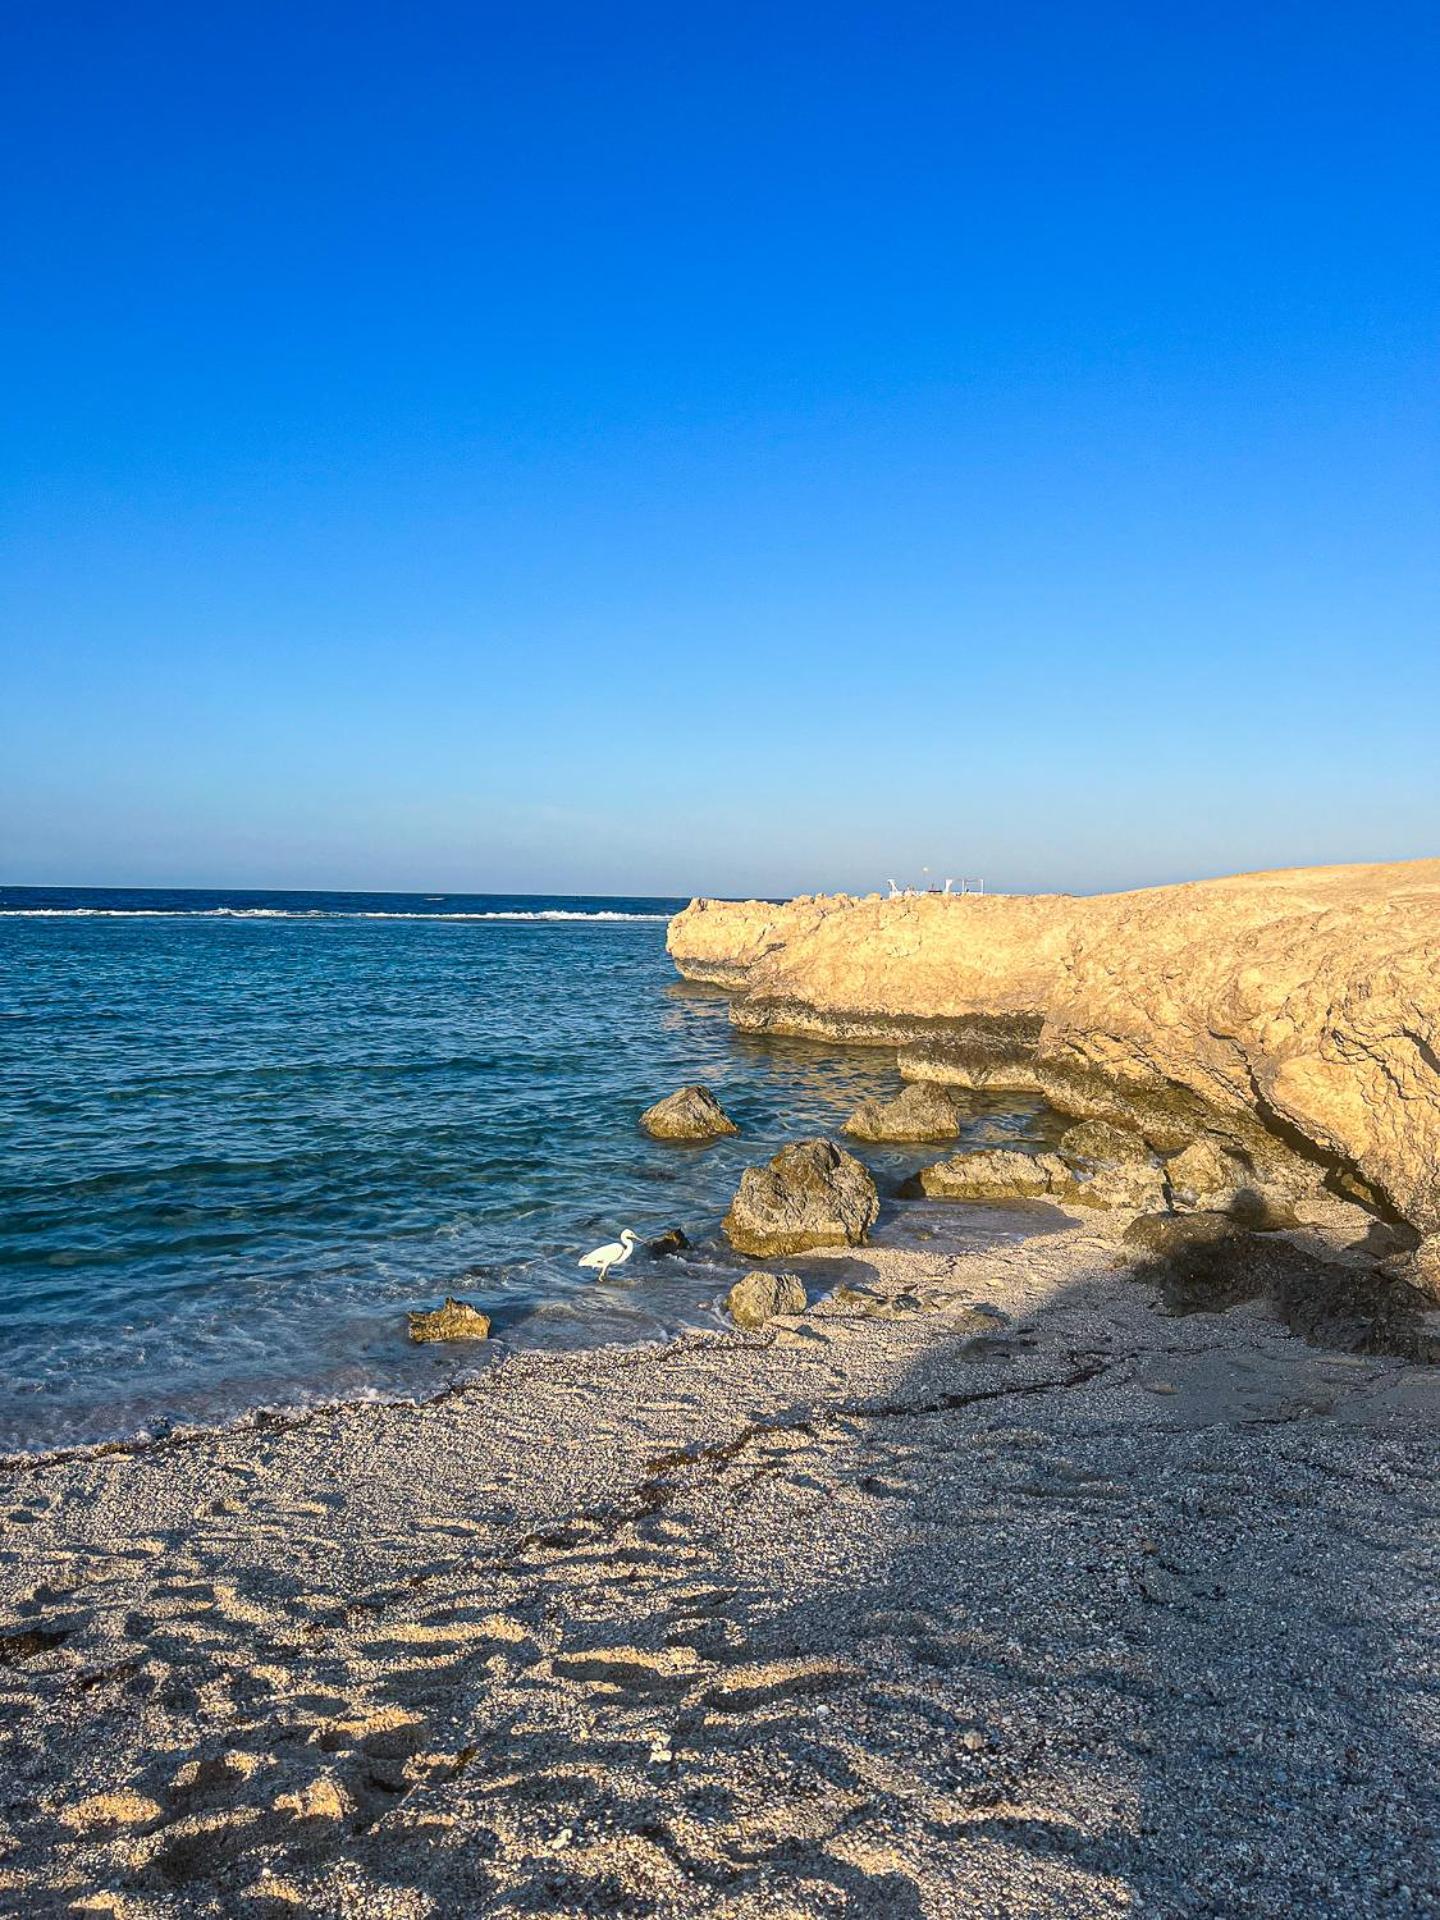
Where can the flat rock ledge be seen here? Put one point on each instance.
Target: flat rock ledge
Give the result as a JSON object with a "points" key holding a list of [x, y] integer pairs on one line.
{"points": [[760, 1297], [693, 1113], [1290, 1019], [922, 1112], [1098, 1165], [812, 1194], [454, 1321]]}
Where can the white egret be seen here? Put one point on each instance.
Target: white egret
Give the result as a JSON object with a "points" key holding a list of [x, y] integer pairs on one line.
{"points": [[614, 1254]]}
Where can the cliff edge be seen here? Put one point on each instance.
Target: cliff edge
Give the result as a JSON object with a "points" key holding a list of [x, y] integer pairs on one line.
{"points": [[1297, 1012]]}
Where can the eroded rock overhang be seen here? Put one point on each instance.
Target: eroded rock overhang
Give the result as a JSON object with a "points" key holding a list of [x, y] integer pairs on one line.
{"points": [[1296, 1012]]}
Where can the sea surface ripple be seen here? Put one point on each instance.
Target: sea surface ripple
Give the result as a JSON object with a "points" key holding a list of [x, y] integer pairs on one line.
{"points": [[240, 1134]]}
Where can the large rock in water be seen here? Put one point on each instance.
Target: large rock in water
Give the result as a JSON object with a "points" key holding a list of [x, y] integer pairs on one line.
{"points": [[691, 1114], [1301, 1009], [812, 1194], [454, 1321], [921, 1112]]}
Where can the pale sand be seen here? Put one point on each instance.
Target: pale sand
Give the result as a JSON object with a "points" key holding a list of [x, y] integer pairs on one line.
{"points": [[900, 1613]]}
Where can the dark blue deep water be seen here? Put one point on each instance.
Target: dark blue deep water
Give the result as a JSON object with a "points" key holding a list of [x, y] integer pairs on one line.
{"points": [[241, 1133]]}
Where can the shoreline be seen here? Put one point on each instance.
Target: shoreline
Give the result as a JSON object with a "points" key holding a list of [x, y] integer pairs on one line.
{"points": [[280, 1417], [849, 1615], [1017, 1221]]}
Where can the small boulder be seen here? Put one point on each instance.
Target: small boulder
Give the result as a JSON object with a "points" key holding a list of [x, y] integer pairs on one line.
{"points": [[760, 1296], [922, 1112], [1211, 1176], [1111, 1167], [812, 1194], [1262, 1212], [453, 1321], [1136, 1185], [691, 1114], [995, 1173], [1206, 1176], [673, 1240]]}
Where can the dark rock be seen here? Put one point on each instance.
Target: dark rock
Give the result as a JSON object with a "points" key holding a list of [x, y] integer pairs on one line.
{"points": [[1262, 1212], [812, 1194], [671, 1241], [691, 1114], [1164, 1234]]}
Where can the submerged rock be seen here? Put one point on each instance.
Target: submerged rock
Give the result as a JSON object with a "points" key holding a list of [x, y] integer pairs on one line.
{"points": [[995, 1173], [761, 1296], [454, 1321], [923, 1111], [673, 1240], [691, 1114], [812, 1194]]}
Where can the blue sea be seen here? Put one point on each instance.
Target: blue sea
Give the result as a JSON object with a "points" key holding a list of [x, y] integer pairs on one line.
{"points": [[242, 1133]]}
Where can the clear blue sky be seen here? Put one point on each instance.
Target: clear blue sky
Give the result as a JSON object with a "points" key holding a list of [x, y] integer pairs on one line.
{"points": [[723, 448]]}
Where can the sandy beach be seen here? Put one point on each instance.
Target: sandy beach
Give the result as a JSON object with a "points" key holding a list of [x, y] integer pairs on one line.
{"points": [[984, 1587], [720, 964]]}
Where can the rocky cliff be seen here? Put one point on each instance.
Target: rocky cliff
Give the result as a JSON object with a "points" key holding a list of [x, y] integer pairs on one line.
{"points": [[1293, 1016]]}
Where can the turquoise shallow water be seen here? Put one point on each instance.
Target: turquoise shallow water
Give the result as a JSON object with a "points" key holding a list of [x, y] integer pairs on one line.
{"points": [[241, 1134]]}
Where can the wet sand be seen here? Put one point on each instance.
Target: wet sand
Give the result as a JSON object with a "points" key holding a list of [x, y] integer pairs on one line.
{"points": [[985, 1588]]}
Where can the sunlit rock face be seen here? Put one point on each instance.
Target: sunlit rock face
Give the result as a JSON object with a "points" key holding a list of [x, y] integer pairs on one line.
{"points": [[691, 1114], [811, 1194], [1291, 1018]]}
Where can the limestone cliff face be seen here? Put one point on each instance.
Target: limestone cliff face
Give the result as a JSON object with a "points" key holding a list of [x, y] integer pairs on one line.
{"points": [[1301, 1009]]}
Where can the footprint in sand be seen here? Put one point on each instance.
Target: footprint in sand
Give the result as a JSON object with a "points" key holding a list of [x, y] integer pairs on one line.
{"points": [[629, 1670]]}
